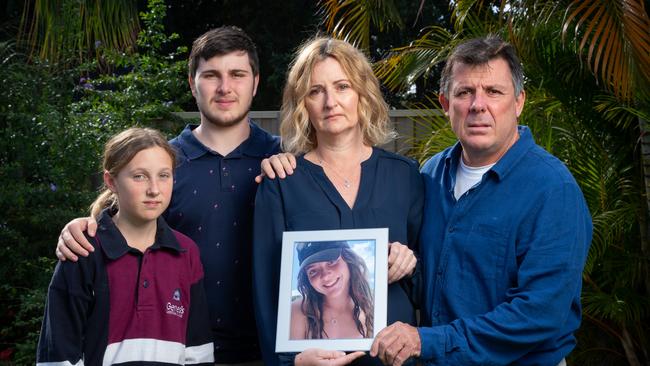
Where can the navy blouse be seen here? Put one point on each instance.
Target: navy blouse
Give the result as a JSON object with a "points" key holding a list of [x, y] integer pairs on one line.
{"points": [[390, 195]]}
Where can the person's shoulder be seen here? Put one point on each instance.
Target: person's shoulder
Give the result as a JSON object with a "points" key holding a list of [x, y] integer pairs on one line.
{"points": [[178, 140], [547, 166], [433, 162], [296, 303], [184, 241], [296, 309], [84, 267], [393, 158], [269, 142]]}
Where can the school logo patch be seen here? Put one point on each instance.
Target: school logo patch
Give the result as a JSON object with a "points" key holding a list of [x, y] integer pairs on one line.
{"points": [[177, 295], [175, 310]]}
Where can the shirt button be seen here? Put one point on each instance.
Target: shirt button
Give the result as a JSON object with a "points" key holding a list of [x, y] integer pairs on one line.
{"points": [[145, 283], [225, 174], [451, 229], [436, 314]]}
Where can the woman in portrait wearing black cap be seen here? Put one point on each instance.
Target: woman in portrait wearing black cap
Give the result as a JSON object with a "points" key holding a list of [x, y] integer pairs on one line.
{"points": [[336, 298]]}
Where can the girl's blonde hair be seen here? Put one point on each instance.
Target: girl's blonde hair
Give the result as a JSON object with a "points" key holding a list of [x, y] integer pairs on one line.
{"points": [[298, 136], [119, 151]]}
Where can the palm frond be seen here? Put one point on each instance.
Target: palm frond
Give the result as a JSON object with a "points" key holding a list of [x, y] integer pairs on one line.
{"points": [[615, 35], [351, 20], [622, 307], [404, 65], [58, 29]]}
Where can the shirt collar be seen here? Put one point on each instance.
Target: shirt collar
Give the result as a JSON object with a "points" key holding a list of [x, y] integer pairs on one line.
{"points": [[507, 161], [515, 153], [114, 244], [256, 145]]}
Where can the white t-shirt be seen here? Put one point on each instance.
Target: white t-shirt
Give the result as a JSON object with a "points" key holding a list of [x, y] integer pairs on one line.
{"points": [[468, 177]]}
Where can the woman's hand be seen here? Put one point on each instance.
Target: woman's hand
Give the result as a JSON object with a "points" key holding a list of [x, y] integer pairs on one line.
{"points": [[401, 261], [317, 357], [281, 164], [72, 241]]}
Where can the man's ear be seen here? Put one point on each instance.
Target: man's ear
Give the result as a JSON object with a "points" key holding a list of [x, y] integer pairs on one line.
{"points": [[519, 102], [109, 181], [256, 81], [444, 102], [190, 80]]}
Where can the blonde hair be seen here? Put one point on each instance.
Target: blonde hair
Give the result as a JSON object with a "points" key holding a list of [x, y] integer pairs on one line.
{"points": [[119, 151], [298, 136]]}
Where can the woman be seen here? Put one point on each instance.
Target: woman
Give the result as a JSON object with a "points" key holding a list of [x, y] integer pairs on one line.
{"points": [[332, 116], [336, 300]]}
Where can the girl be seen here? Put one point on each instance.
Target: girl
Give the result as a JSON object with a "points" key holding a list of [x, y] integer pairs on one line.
{"points": [[139, 298], [336, 297]]}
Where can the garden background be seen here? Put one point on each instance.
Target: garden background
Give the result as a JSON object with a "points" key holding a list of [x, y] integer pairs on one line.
{"points": [[74, 72]]}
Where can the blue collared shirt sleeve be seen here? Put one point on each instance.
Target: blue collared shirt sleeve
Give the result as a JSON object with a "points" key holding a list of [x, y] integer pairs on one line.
{"points": [[551, 248]]}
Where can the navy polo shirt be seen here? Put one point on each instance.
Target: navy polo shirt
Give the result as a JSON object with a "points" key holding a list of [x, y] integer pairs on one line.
{"points": [[212, 203]]}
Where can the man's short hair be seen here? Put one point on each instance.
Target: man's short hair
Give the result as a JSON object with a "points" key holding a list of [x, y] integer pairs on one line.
{"points": [[221, 41], [478, 51]]}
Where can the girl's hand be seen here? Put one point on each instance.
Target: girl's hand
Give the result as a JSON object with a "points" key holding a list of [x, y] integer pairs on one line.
{"points": [[317, 357]]}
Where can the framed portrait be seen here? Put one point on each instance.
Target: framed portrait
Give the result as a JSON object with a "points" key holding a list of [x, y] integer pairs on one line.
{"points": [[333, 287]]}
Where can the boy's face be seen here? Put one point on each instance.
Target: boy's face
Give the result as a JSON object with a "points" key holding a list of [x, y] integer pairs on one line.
{"points": [[224, 87], [144, 186]]}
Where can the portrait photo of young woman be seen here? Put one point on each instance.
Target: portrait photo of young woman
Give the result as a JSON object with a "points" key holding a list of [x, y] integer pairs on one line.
{"points": [[335, 298]]}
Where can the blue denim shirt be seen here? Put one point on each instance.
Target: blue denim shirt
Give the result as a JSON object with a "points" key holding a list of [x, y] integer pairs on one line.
{"points": [[502, 265]]}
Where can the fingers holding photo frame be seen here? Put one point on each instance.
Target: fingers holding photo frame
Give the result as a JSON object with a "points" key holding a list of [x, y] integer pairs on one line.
{"points": [[333, 286]]}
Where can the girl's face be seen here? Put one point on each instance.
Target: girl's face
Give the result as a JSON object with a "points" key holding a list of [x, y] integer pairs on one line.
{"points": [[329, 278], [144, 186]]}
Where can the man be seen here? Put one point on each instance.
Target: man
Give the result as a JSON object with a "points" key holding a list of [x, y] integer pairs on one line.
{"points": [[214, 188], [505, 234]]}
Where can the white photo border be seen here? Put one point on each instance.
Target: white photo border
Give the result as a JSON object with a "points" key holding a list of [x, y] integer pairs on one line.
{"points": [[283, 343]]}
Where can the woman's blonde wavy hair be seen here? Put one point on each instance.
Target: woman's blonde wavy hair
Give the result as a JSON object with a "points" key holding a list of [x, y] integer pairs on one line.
{"points": [[298, 135]]}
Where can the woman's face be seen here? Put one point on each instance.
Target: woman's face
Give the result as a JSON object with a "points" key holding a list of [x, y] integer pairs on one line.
{"points": [[331, 102], [329, 278]]}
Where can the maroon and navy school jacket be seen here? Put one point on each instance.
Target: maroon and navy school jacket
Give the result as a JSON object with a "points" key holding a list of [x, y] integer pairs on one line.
{"points": [[122, 306]]}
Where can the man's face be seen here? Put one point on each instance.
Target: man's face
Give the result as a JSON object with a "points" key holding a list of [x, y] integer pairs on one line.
{"points": [[483, 110], [224, 87]]}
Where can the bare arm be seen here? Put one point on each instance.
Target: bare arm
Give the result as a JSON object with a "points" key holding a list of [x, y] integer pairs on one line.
{"points": [[298, 321], [72, 241], [281, 164]]}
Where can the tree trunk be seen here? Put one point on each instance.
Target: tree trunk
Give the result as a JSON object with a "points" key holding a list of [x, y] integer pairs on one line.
{"points": [[644, 130], [628, 346]]}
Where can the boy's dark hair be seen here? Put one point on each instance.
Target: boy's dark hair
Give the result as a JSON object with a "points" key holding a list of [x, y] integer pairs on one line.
{"points": [[479, 51], [221, 41]]}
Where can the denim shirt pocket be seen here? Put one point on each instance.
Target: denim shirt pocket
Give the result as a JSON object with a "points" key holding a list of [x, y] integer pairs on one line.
{"points": [[484, 252]]}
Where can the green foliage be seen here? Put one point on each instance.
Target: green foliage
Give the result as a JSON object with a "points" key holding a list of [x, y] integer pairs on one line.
{"points": [[580, 107], [54, 122], [67, 32]]}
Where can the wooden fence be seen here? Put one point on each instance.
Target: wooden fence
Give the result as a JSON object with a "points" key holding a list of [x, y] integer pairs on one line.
{"points": [[411, 125]]}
